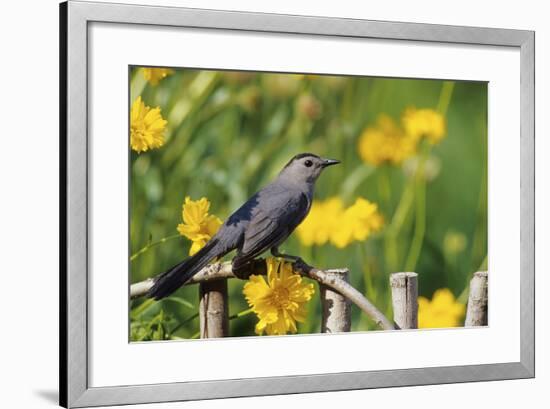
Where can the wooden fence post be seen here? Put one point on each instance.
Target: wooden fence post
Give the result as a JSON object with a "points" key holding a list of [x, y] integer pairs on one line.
{"points": [[336, 309], [213, 309], [404, 293], [476, 313]]}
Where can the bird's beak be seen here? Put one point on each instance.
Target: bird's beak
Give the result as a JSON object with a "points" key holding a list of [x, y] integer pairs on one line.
{"points": [[330, 162]]}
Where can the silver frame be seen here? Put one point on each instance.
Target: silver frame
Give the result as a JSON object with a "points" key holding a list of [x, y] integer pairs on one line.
{"points": [[74, 19]]}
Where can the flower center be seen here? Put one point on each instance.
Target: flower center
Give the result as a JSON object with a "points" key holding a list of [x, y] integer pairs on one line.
{"points": [[280, 297]]}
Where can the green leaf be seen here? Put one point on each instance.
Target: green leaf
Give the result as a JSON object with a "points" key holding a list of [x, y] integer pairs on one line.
{"points": [[142, 308], [181, 301]]}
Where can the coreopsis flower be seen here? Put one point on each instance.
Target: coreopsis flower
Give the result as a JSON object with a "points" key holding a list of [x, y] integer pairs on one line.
{"points": [[198, 226], [321, 222], [281, 301], [146, 127], [329, 221], [356, 223], [155, 75], [424, 123], [385, 143], [442, 311]]}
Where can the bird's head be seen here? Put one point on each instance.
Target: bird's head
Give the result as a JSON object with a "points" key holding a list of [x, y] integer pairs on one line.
{"points": [[306, 167]]}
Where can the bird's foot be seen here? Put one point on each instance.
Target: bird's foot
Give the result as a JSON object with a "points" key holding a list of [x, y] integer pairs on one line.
{"points": [[301, 265], [297, 262], [294, 259]]}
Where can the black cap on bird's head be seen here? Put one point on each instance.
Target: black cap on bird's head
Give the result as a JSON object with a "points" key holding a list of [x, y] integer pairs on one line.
{"points": [[306, 166]]}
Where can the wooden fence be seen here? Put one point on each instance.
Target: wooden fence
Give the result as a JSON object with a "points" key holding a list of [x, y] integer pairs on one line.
{"points": [[336, 295]]}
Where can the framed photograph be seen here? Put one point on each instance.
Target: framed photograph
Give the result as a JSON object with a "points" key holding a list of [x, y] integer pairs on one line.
{"points": [[259, 204]]}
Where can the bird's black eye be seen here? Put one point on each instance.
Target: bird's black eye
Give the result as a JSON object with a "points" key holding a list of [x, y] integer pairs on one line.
{"points": [[308, 163]]}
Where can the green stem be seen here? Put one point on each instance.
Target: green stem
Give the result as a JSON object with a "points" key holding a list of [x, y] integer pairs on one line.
{"points": [[367, 273], [402, 208], [420, 185], [137, 84], [420, 212], [385, 186], [140, 309], [309, 253], [484, 264], [241, 314], [397, 221], [479, 242], [151, 245], [392, 254], [185, 321], [355, 178], [445, 97]]}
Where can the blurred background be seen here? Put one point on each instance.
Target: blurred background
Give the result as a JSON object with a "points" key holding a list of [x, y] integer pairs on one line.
{"points": [[415, 149]]}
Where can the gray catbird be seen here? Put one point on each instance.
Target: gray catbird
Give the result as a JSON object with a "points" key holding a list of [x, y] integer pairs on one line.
{"points": [[262, 223]]}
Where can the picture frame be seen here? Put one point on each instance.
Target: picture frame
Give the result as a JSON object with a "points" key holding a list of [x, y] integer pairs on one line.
{"points": [[75, 309]]}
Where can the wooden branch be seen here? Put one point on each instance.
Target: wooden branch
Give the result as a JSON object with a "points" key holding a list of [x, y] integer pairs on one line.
{"points": [[214, 271], [404, 294], [476, 313], [336, 308], [218, 271], [213, 309]]}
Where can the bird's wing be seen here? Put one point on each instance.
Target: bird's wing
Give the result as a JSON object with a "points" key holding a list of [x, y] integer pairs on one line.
{"points": [[271, 224]]}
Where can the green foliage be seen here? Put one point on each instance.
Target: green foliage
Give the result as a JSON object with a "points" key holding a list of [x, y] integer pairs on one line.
{"points": [[229, 133]]}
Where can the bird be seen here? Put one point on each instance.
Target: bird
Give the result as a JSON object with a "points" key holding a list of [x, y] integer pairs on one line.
{"points": [[262, 223]]}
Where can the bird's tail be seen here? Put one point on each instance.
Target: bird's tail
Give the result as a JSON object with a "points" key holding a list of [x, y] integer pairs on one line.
{"points": [[169, 281]]}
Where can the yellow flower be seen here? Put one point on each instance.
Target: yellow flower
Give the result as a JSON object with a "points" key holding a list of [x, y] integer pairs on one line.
{"points": [[146, 127], [328, 221], [385, 143], [443, 311], [198, 226], [154, 75], [279, 302], [322, 220], [424, 123], [357, 223]]}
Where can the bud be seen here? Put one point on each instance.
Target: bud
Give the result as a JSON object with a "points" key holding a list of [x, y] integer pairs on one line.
{"points": [[432, 166], [308, 106], [454, 242]]}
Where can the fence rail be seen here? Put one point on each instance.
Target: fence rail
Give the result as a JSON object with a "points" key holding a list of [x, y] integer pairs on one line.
{"points": [[336, 294]]}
